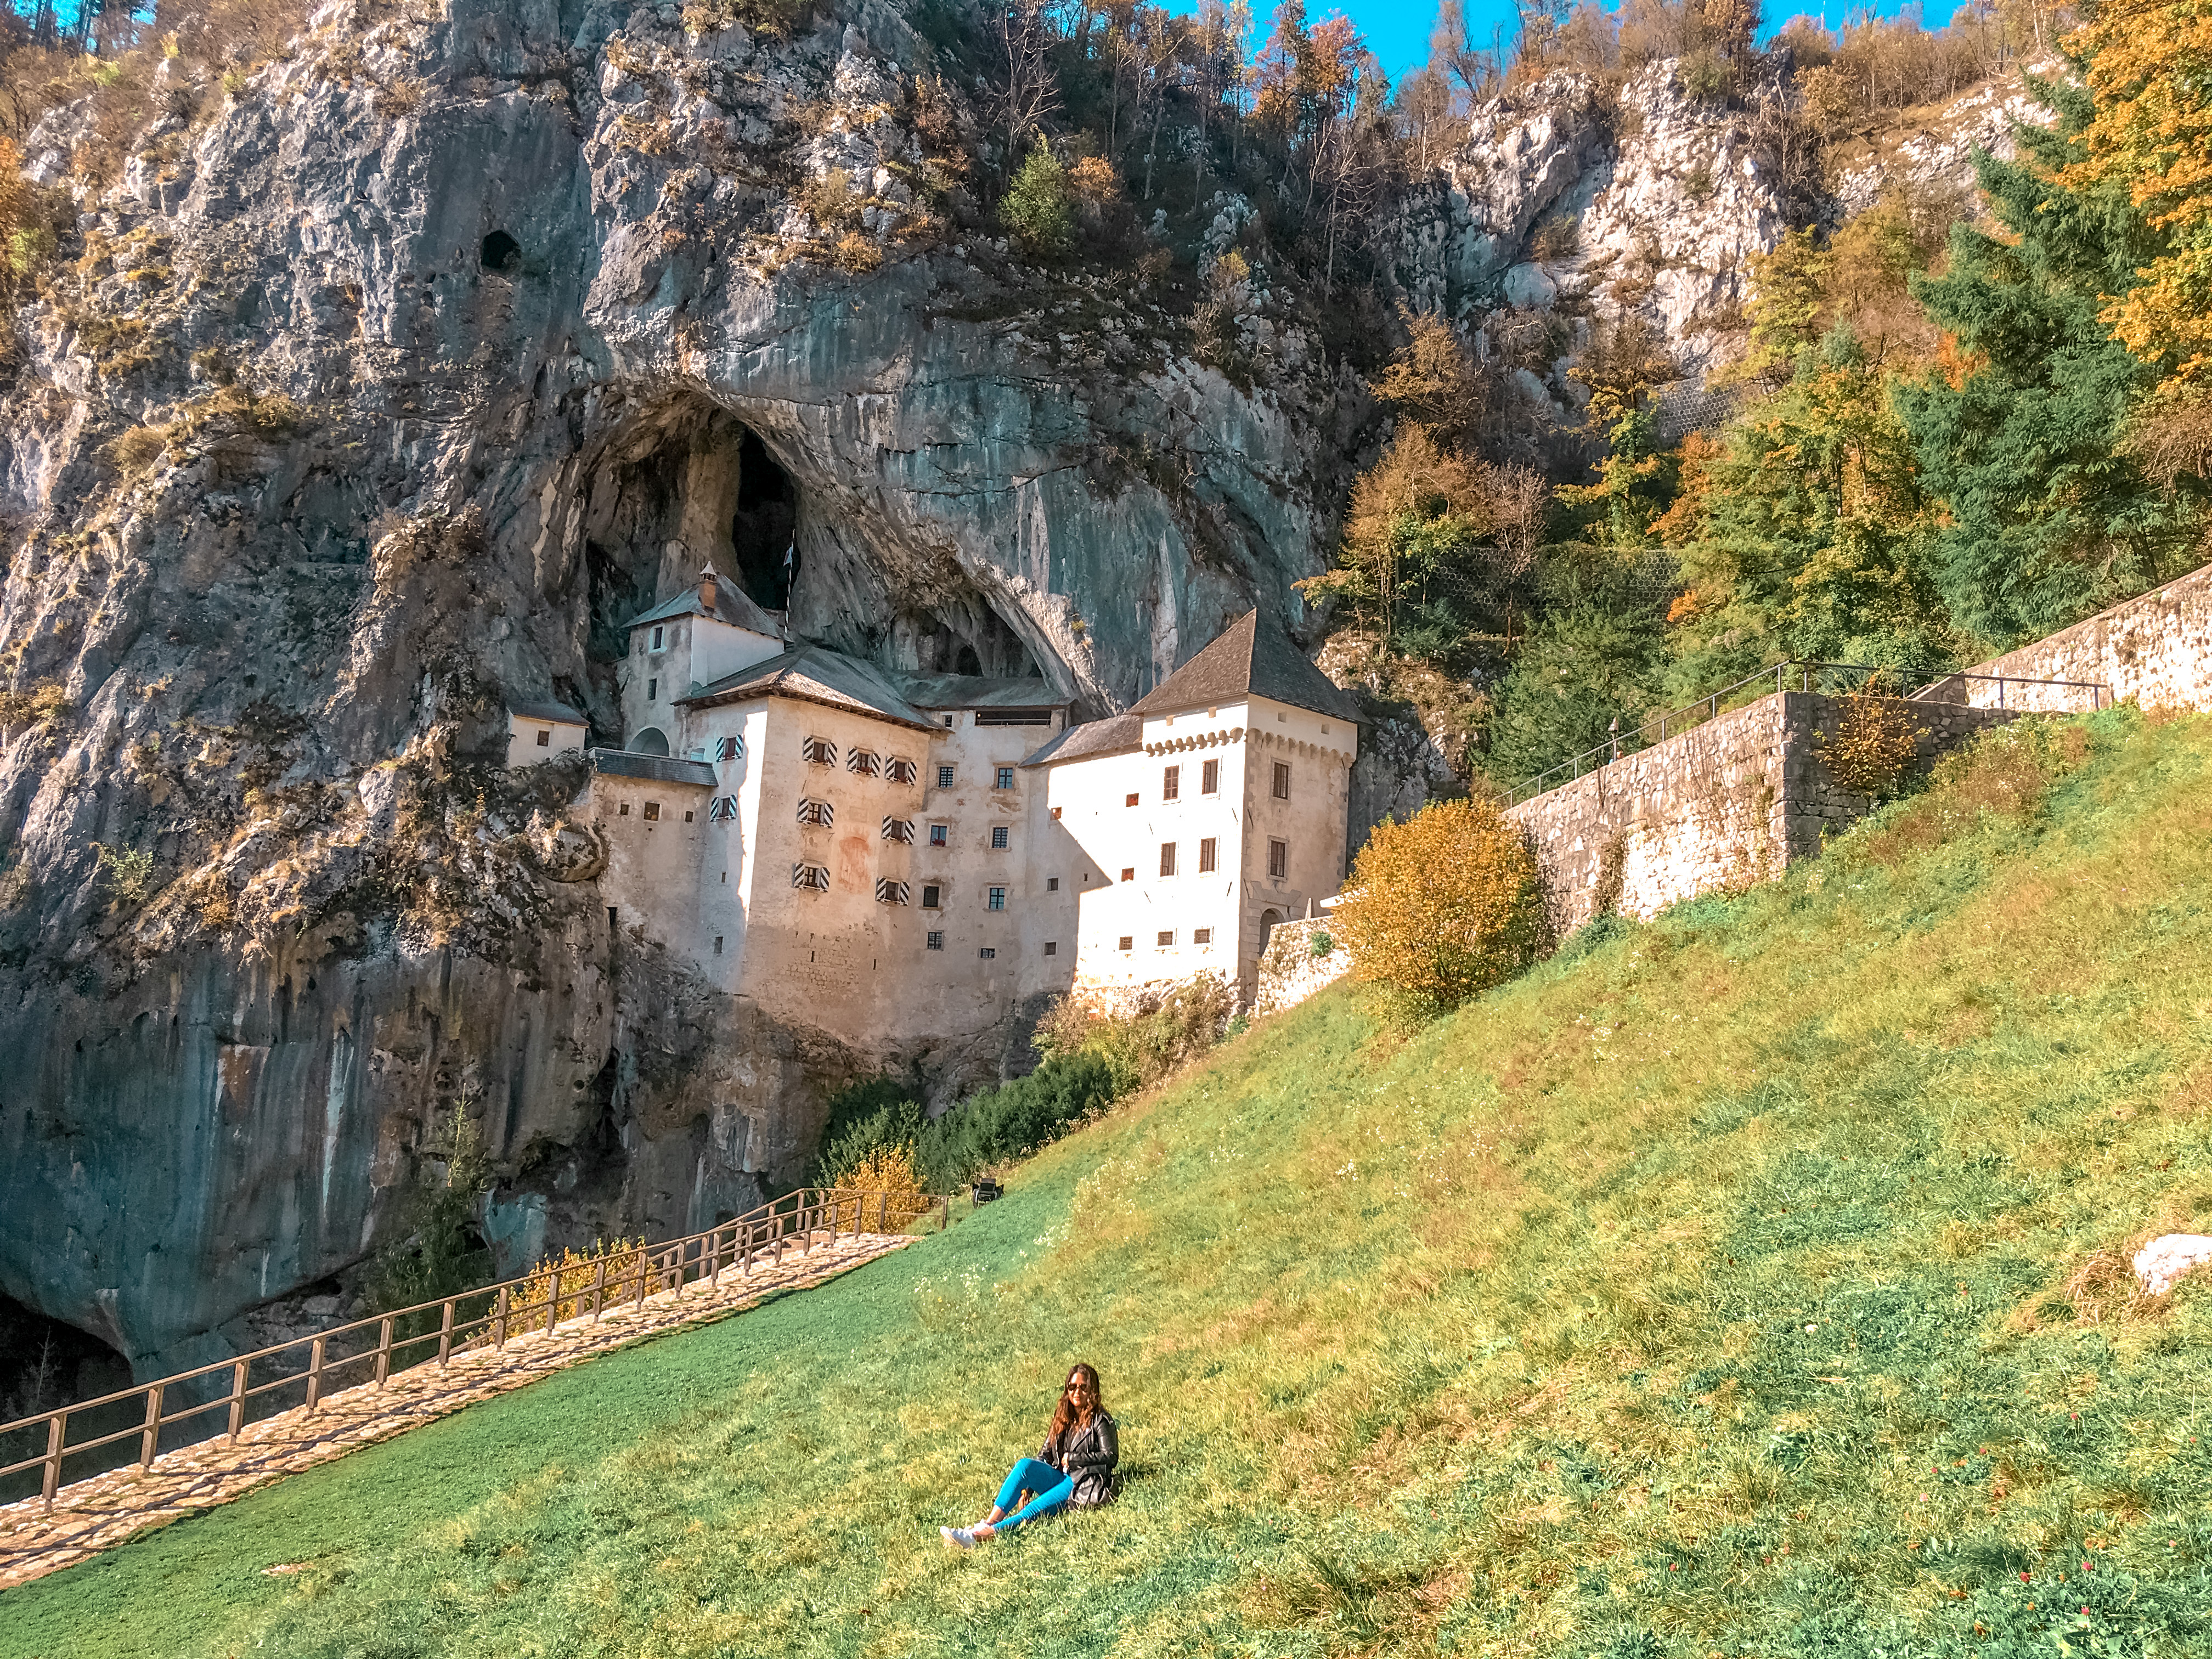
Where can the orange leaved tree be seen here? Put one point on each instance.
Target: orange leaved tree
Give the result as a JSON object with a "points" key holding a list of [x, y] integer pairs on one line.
{"points": [[1444, 905]]}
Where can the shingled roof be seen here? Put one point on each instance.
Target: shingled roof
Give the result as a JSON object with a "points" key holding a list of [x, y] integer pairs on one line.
{"points": [[1251, 659], [731, 605], [1118, 734], [814, 673]]}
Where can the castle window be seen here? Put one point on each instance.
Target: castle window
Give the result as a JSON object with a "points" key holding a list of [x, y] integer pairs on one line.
{"points": [[999, 838], [688, 817], [1167, 857], [899, 830], [1209, 778], [1006, 778], [890, 892], [545, 736], [718, 944], [1128, 942], [1206, 855], [940, 834], [936, 941], [729, 749], [813, 877], [987, 954], [1282, 781], [653, 812], [1055, 815], [1129, 872], [652, 691], [1202, 936], [625, 809], [1130, 799], [1167, 936], [1171, 784], [862, 761], [997, 900], [944, 774], [1052, 884], [930, 897], [1279, 859], [817, 751], [900, 771], [817, 812], [722, 809], [659, 639], [1051, 948]]}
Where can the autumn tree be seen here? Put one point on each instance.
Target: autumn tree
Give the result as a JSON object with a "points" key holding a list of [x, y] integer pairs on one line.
{"points": [[1444, 906]]}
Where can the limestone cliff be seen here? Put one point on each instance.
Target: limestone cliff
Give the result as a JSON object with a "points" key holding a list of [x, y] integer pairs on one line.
{"points": [[388, 379]]}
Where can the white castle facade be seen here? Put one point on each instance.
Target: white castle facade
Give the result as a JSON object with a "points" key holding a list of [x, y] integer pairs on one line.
{"points": [[895, 859]]}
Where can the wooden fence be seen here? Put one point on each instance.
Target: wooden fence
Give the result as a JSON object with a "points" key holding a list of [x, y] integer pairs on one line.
{"points": [[372, 1349]]}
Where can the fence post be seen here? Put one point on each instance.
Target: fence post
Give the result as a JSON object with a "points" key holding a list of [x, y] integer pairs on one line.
{"points": [[384, 1352], [237, 1398], [315, 1374], [57, 1430], [553, 1303], [498, 1321], [714, 1260], [944, 1214], [643, 1263], [2001, 680], [150, 1438], [599, 1288], [446, 1334]]}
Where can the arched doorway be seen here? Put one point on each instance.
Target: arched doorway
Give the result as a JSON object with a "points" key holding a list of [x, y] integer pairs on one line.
{"points": [[650, 741]]}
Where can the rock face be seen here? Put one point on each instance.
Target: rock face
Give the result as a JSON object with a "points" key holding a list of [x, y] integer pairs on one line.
{"points": [[377, 392]]}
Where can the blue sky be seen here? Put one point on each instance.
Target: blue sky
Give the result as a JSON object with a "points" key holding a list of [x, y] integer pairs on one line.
{"points": [[1398, 30]]}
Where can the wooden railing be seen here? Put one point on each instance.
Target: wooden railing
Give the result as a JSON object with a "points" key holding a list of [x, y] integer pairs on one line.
{"points": [[372, 1349]]}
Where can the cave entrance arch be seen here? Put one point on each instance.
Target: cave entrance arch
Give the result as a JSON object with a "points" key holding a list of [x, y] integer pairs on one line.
{"points": [[650, 741], [763, 530]]}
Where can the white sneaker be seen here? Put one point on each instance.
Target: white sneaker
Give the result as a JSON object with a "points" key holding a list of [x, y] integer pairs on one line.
{"points": [[959, 1537]]}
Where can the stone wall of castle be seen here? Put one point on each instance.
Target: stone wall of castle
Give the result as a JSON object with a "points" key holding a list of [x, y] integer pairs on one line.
{"points": [[2155, 648]]}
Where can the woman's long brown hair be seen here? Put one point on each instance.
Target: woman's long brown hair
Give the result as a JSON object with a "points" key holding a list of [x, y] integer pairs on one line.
{"points": [[1063, 1415]]}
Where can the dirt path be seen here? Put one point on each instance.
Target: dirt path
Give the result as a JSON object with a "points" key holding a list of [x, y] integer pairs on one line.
{"points": [[99, 1513]]}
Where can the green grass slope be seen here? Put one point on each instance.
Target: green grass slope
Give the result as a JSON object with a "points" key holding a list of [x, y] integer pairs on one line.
{"points": [[1744, 1284]]}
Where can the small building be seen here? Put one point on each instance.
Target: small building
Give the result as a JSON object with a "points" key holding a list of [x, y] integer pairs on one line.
{"points": [[539, 730]]}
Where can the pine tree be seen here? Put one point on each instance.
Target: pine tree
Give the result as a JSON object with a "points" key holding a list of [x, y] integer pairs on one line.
{"points": [[2048, 519]]}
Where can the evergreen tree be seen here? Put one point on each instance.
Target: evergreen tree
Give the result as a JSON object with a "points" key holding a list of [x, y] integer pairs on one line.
{"points": [[2048, 517], [1591, 660]]}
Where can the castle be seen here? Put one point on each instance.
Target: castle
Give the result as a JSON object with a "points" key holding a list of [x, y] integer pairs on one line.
{"points": [[896, 858]]}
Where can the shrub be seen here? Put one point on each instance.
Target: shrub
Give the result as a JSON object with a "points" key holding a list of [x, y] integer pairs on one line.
{"points": [[1039, 210], [888, 1128], [1012, 1119], [570, 1277], [888, 1173], [442, 1253], [1444, 905], [2003, 774], [130, 874], [1875, 743]]}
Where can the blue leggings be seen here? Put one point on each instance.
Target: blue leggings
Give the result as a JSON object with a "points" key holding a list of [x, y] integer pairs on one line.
{"points": [[1049, 1487]]}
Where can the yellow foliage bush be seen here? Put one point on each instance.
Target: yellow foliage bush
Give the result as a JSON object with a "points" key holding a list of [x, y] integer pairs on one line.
{"points": [[1444, 905], [1875, 741], [570, 1277], [888, 1173]]}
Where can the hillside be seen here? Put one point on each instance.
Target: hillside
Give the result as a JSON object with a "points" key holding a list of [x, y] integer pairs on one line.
{"points": [[1747, 1282]]}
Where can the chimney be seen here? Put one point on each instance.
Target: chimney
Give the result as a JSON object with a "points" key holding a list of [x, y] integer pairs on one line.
{"points": [[706, 589]]}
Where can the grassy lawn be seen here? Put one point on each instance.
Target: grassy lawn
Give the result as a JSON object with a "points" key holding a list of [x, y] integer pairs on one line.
{"points": [[1744, 1284]]}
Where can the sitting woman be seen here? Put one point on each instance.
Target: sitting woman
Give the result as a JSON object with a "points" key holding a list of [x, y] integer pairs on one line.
{"points": [[1075, 1467]]}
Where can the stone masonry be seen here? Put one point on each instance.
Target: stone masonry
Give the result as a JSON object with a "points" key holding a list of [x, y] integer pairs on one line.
{"points": [[2155, 648], [1728, 802]]}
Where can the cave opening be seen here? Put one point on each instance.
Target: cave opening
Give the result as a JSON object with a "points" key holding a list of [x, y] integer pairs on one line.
{"points": [[763, 531], [44, 1365], [500, 253]]}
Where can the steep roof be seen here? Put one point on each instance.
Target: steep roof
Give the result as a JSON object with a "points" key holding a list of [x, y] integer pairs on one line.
{"points": [[1251, 659], [731, 605], [657, 768], [1117, 735], [978, 691], [814, 673], [559, 712]]}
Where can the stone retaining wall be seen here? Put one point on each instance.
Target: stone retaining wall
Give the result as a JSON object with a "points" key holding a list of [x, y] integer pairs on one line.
{"points": [[2155, 648], [1725, 803], [1290, 971]]}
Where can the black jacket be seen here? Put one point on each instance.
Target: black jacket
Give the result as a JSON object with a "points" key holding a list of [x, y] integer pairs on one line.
{"points": [[1089, 1455]]}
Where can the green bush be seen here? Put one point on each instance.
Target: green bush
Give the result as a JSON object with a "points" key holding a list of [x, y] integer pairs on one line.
{"points": [[1012, 1119], [1039, 211]]}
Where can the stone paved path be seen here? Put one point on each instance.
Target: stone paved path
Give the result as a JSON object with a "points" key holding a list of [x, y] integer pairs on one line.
{"points": [[97, 1514]]}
